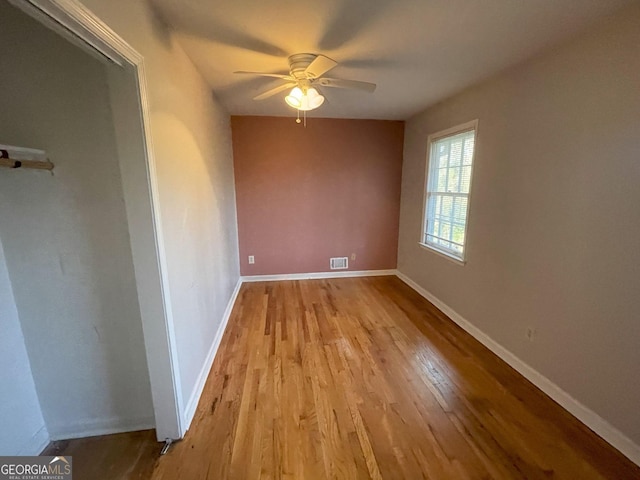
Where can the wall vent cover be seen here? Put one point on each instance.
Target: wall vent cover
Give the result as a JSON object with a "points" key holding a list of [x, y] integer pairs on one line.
{"points": [[339, 263]]}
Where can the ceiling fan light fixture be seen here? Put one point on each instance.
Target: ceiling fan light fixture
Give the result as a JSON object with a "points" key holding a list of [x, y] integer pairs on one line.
{"points": [[311, 100], [304, 100], [305, 70], [295, 98]]}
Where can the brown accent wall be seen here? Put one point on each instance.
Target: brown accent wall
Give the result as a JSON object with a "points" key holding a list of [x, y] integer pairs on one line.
{"points": [[304, 195]]}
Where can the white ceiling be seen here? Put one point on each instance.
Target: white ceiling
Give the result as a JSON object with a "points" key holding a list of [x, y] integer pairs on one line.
{"points": [[417, 51]]}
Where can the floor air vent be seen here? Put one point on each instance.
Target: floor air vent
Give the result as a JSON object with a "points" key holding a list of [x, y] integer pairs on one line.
{"points": [[339, 263]]}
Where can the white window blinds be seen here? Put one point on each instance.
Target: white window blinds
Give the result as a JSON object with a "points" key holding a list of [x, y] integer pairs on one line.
{"points": [[447, 192]]}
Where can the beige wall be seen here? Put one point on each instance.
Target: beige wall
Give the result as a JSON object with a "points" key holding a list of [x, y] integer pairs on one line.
{"points": [[23, 429], [554, 224], [192, 145]]}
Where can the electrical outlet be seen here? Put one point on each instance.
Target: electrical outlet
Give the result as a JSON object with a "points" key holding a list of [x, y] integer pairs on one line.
{"points": [[353, 257], [252, 260], [531, 334]]}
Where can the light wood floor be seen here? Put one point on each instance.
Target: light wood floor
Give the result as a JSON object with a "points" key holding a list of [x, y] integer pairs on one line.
{"points": [[359, 378]]}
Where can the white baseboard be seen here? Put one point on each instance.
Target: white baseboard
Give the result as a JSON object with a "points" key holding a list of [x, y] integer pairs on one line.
{"points": [[36, 444], [92, 428], [318, 275], [595, 422], [190, 409]]}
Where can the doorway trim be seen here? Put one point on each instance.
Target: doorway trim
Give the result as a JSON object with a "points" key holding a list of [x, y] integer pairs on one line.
{"points": [[79, 25]]}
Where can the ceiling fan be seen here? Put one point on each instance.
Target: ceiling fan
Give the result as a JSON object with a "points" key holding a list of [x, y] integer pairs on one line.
{"points": [[306, 73]]}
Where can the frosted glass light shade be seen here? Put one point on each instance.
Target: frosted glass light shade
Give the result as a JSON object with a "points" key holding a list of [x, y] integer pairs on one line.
{"points": [[304, 101], [294, 99], [311, 100]]}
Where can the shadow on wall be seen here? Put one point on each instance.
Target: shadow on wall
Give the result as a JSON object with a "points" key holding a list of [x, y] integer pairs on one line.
{"points": [[198, 220]]}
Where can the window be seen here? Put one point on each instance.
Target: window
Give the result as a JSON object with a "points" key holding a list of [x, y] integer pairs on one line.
{"points": [[446, 208]]}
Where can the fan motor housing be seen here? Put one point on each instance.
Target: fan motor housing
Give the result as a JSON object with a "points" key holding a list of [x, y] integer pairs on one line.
{"points": [[299, 62]]}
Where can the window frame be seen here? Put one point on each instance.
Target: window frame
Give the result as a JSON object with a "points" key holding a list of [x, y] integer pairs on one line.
{"points": [[431, 139]]}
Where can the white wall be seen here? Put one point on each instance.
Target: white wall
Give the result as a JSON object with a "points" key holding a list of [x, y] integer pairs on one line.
{"points": [[554, 224], [23, 429], [192, 146], [66, 239]]}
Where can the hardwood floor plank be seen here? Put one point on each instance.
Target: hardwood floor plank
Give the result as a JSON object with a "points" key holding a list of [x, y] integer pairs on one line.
{"points": [[360, 378]]}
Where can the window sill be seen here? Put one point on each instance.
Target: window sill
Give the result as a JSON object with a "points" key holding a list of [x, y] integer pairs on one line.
{"points": [[446, 255]]}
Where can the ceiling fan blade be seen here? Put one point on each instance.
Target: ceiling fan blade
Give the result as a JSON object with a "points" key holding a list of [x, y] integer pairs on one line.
{"points": [[319, 66], [267, 74], [273, 91], [339, 83]]}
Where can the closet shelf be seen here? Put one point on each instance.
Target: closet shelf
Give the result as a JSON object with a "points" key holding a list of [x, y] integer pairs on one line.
{"points": [[11, 163], [36, 164]]}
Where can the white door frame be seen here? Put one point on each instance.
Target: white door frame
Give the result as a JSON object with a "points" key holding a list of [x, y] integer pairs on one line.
{"points": [[80, 25]]}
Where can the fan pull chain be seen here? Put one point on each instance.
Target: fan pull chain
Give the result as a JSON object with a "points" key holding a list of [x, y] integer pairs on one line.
{"points": [[304, 116]]}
